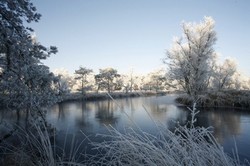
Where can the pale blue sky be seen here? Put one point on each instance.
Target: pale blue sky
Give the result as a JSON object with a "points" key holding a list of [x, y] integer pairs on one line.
{"points": [[127, 34]]}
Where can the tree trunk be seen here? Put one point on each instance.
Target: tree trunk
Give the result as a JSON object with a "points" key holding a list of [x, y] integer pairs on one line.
{"points": [[108, 86], [8, 59]]}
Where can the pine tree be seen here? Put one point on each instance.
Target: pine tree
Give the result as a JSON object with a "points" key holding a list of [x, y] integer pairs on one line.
{"points": [[25, 83]]}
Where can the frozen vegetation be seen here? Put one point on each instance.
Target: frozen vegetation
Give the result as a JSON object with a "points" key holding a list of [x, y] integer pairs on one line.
{"points": [[186, 145], [226, 98], [193, 67], [27, 84]]}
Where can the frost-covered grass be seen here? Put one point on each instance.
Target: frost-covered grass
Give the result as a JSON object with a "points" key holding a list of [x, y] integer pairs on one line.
{"points": [[185, 146], [36, 146], [226, 98]]}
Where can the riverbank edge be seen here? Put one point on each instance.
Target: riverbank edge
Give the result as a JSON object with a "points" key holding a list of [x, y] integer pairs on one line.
{"points": [[105, 95], [226, 98]]}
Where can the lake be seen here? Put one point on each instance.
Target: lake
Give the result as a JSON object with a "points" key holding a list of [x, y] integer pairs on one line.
{"points": [[230, 126]]}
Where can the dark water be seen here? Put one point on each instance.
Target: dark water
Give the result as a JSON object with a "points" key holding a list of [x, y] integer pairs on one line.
{"points": [[230, 126], [72, 119]]}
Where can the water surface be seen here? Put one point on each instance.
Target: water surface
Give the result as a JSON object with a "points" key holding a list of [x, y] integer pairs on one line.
{"points": [[230, 126], [72, 119]]}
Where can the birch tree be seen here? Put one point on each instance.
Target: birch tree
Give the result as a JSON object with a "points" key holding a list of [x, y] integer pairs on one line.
{"points": [[191, 58]]}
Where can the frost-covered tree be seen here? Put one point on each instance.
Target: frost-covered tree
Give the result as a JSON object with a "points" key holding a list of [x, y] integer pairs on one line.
{"points": [[130, 82], [223, 74], [123, 81], [118, 84], [191, 57], [81, 74], [13, 33], [25, 83], [157, 80], [65, 81], [105, 79], [238, 81]]}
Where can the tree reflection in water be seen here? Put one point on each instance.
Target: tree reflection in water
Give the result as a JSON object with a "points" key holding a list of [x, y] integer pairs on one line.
{"points": [[105, 112], [91, 116], [225, 122], [61, 113]]}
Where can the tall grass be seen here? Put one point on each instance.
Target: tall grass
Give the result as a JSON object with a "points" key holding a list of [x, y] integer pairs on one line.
{"points": [[187, 145], [36, 146]]}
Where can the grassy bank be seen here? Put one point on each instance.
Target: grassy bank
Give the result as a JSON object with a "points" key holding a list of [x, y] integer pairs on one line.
{"points": [[228, 98]]}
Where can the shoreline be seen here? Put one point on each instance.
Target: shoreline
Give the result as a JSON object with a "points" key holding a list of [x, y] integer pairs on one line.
{"points": [[106, 96], [219, 99], [239, 99]]}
